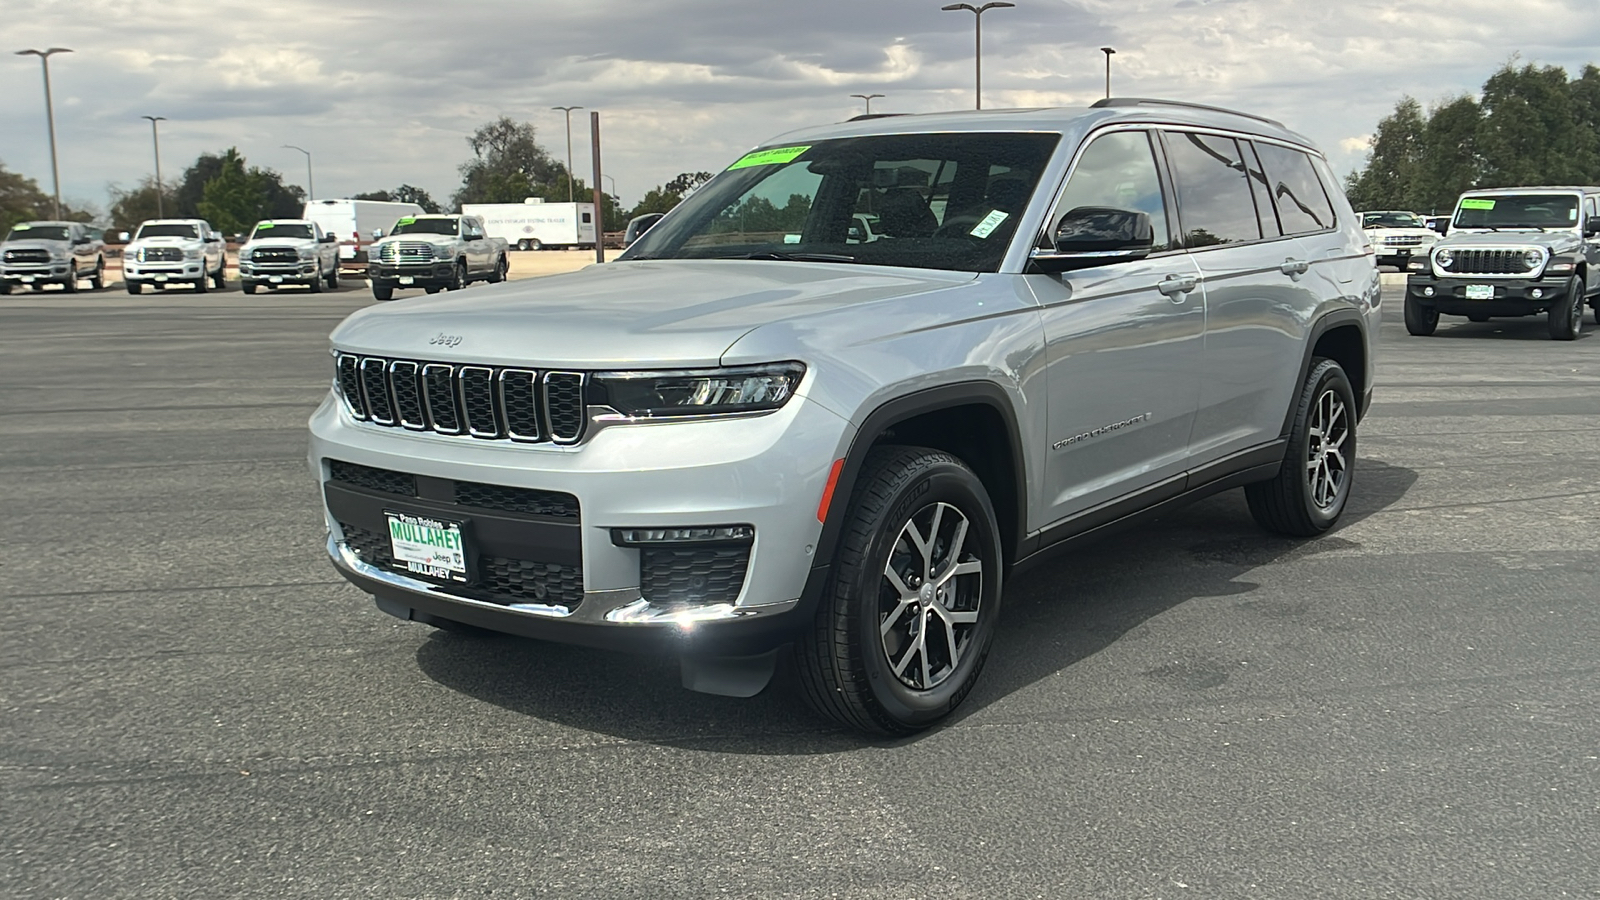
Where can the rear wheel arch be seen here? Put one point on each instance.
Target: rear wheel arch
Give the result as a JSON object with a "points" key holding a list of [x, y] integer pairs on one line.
{"points": [[1341, 336]]}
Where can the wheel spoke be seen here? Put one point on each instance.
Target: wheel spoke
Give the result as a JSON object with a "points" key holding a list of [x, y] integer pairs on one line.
{"points": [[950, 641], [905, 660], [957, 541], [898, 583], [967, 567], [893, 618], [922, 642], [958, 616]]}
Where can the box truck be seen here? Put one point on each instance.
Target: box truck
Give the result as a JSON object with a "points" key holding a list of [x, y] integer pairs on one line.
{"points": [[536, 225], [354, 221]]}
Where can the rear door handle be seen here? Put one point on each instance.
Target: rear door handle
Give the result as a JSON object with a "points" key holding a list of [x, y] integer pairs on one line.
{"points": [[1293, 266], [1175, 286]]}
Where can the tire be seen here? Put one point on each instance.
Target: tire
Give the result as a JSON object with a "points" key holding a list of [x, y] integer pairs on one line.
{"points": [[134, 287], [501, 267], [333, 276], [458, 277], [249, 287], [5, 288], [97, 281], [204, 284], [1313, 485], [536, 244], [870, 622], [220, 280], [71, 284], [1421, 321], [382, 291], [1477, 317], [433, 289], [315, 285], [1594, 306], [1565, 319], [522, 244]]}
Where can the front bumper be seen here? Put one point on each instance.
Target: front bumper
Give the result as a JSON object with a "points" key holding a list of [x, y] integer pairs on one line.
{"points": [[764, 471], [1512, 296], [161, 272], [50, 273], [304, 272], [439, 272]]}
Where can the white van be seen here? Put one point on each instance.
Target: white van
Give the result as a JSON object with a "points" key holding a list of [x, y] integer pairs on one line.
{"points": [[536, 225], [354, 221]]}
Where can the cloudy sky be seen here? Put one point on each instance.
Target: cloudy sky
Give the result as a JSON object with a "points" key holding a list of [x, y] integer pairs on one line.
{"points": [[386, 91]]}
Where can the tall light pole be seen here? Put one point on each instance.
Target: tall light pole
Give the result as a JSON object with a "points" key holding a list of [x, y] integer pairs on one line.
{"points": [[161, 211], [977, 15], [1108, 51], [568, 110], [311, 190], [868, 98], [49, 116]]}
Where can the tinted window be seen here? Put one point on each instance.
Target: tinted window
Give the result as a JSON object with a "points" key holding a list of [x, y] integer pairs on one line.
{"points": [[174, 229], [1518, 211], [1259, 189], [1118, 170], [38, 233], [1213, 194], [1303, 205]]}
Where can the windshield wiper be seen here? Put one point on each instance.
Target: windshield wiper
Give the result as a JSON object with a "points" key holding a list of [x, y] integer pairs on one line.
{"points": [[790, 257]]}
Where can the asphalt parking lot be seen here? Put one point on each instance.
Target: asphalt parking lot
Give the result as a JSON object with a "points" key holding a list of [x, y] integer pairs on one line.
{"points": [[194, 705]]}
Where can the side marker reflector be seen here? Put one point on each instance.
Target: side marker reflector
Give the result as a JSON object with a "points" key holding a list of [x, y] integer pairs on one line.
{"points": [[827, 490]]}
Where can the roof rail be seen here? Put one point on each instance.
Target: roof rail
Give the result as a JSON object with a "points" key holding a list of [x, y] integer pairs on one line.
{"points": [[865, 116], [1148, 101]]}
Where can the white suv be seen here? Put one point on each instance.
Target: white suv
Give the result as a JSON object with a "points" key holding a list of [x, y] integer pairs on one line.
{"points": [[754, 430]]}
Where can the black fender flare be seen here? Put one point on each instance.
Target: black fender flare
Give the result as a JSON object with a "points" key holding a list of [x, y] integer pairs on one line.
{"points": [[1318, 328]]}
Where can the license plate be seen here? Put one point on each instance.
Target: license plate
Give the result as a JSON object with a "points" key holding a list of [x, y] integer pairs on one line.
{"points": [[161, 278], [27, 279], [427, 546], [1480, 292], [407, 279], [275, 279]]}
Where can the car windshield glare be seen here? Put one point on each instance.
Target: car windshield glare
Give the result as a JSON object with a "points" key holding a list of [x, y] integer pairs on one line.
{"points": [[1390, 220], [1518, 211], [167, 230], [38, 233], [295, 232], [937, 201], [425, 226]]}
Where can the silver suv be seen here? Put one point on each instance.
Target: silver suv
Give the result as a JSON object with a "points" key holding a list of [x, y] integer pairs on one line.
{"points": [[763, 427]]}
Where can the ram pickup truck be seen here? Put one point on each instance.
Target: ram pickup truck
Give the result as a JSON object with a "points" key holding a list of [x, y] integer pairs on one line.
{"points": [[435, 253], [175, 251], [1397, 236], [35, 254], [289, 251]]}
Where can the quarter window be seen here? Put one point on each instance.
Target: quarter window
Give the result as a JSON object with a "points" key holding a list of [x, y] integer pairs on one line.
{"points": [[1261, 191], [1303, 205], [1213, 194], [1119, 171]]}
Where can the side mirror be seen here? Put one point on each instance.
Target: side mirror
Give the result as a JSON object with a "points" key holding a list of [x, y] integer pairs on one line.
{"points": [[327, 239], [79, 241], [1095, 235], [377, 234], [123, 236], [1591, 228]]}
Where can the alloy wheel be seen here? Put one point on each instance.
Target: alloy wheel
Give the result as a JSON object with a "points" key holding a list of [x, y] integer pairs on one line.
{"points": [[1326, 466], [930, 596]]}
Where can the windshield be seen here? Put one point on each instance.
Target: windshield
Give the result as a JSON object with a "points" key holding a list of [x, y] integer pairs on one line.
{"points": [[937, 201], [1391, 220], [173, 229], [1518, 211], [408, 225], [38, 233], [287, 232]]}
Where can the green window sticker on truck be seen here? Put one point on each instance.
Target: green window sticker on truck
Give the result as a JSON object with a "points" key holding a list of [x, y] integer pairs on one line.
{"points": [[406, 220], [769, 157], [1477, 204]]}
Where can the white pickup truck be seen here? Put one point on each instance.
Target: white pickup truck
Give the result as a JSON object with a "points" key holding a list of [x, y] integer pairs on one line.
{"points": [[175, 251], [289, 251], [35, 254], [435, 253]]}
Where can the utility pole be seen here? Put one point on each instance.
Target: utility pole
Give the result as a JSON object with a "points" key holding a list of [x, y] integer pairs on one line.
{"points": [[50, 116], [1108, 51], [868, 98], [568, 110], [161, 210], [599, 209], [311, 188], [977, 15]]}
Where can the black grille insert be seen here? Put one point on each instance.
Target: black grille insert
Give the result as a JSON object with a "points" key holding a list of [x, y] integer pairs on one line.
{"points": [[1487, 262], [375, 387], [517, 500], [692, 576], [407, 394], [483, 401], [500, 579], [372, 478]]}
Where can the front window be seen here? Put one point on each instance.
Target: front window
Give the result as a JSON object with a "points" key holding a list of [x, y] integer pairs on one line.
{"points": [[409, 225], [171, 229], [38, 233], [294, 232], [1391, 220], [1518, 211], [937, 201]]}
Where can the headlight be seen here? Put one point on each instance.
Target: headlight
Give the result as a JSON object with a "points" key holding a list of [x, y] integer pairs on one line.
{"points": [[192, 252], [1416, 264], [1560, 267], [441, 252], [244, 255], [1532, 258], [306, 253], [699, 393], [1444, 258]]}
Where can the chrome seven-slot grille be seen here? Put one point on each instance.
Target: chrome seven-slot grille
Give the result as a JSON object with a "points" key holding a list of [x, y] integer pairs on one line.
{"points": [[160, 254], [492, 403], [1487, 262], [407, 252]]}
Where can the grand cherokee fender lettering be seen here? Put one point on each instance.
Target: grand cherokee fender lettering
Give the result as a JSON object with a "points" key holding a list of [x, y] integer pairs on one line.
{"points": [[1103, 429]]}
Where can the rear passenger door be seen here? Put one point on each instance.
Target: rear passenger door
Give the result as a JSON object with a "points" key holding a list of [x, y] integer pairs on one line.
{"points": [[1123, 344], [1256, 296]]}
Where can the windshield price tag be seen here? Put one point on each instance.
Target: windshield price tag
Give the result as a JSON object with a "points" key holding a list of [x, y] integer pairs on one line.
{"points": [[1477, 204], [989, 224], [769, 157]]}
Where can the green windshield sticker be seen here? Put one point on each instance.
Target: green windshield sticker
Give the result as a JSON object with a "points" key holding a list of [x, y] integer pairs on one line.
{"points": [[1477, 204], [989, 224], [263, 226], [21, 227], [407, 220], [769, 157]]}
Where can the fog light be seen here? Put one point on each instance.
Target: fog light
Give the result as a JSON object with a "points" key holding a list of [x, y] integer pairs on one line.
{"points": [[1536, 293], [1427, 292], [700, 534]]}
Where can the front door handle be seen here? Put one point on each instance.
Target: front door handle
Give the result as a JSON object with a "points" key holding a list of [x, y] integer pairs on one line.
{"points": [[1293, 266], [1175, 286]]}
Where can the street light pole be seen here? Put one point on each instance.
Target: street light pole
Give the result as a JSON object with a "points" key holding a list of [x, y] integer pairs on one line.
{"points": [[1108, 51], [49, 116], [311, 188], [568, 110], [161, 212], [977, 13], [868, 98]]}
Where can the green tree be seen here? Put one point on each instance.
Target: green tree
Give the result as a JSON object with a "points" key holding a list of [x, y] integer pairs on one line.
{"points": [[405, 193], [662, 198], [1388, 180], [22, 201], [1529, 133], [129, 208], [235, 199], [1450, 162], [508, 165]]}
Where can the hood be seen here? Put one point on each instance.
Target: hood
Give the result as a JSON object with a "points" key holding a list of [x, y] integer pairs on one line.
{"points": [[1556, 241], [435, 239], [35, 244], [630, 314]]}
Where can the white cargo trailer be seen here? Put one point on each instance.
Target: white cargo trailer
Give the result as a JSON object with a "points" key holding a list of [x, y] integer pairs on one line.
{"points": [[536, 225], [354, 221]]}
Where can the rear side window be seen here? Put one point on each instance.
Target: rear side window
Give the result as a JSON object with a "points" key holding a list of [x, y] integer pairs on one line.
{"points": [[1303, 205], [1118, 170], [1213, 194], [1261, 191]]}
